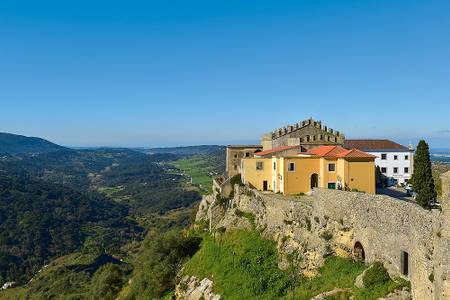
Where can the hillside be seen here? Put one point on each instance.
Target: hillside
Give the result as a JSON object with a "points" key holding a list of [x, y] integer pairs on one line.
{"points": [[84, 202], [186, 151], [19, 144], [42, 220]]}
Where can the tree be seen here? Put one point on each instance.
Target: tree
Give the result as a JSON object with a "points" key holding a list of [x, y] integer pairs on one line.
{"points": [[378, 177], [422, 178]]}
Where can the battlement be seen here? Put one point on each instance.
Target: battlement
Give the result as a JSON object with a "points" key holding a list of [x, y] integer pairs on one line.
{"points": [[280, 132]]}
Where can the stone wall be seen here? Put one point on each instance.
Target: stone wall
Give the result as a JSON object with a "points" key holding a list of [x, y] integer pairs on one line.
{"points": [[332, 221], [386, 227]]}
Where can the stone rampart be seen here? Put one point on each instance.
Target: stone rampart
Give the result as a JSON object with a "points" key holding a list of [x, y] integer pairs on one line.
{"points": [[410, 241]]}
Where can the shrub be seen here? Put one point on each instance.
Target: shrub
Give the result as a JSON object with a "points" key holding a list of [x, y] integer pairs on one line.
{"points": [[308, 224], [249, 216], [376, 275], [107, 282], [326, 235], [159, 262]]}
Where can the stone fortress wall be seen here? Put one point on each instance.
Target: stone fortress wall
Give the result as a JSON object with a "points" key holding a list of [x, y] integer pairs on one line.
{"points": [[386, 229], [308, 133]]}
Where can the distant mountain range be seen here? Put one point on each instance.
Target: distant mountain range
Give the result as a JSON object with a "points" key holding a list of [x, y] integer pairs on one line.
{"points": [[19, 144]]}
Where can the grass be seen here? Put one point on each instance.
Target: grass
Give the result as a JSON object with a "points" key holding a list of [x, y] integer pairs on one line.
{"points": [[199, 169], [242, 265]]}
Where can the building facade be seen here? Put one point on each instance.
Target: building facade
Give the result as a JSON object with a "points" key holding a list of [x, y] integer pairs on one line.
{"points": [[395, 161], [307, 134], [234, 156], [331, 167]]}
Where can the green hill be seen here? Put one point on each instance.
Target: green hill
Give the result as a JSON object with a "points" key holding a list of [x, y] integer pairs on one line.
{"points": [[19, 144]]}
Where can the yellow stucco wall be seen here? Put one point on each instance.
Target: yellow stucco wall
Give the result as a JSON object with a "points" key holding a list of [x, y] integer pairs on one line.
{"points": [[353, 173], [327, 176], [299, 181], [361, 175], [256, 177]]}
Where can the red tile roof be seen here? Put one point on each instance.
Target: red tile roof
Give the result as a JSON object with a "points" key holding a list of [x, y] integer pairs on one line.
{"points": [[325, 151], [355, 153], [367, 145], [338, 151], [275, 150]]}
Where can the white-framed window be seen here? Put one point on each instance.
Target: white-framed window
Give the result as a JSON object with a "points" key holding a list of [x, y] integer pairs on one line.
{"points": [[259, 165], [247, 154], [291, 167], [406, 157], [395, 157], [406, 170], [383, 170], [331, 167], [383, 156], [395, 170], [274, 166]]}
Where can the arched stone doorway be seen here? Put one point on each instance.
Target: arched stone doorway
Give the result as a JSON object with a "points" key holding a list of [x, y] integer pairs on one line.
{"points": [[314, 181], [358, 251]]}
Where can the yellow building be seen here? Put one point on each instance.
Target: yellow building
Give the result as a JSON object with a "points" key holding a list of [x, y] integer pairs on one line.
{"points": [[288, 171]]}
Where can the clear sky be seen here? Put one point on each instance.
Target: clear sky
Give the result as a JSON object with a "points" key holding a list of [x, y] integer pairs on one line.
{"points": [[163, 73]]}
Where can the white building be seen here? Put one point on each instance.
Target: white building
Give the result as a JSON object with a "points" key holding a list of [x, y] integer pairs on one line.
{"points": [[395, 160]]}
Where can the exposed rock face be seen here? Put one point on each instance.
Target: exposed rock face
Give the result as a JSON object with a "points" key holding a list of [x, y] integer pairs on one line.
{"points": [[403, 294], [190, 288], [330, 221]]}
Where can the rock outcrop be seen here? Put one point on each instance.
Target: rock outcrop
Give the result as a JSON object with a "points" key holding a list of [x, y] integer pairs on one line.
{"points": [[191, 288]]}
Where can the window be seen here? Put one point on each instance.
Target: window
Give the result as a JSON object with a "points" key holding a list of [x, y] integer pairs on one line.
{"points": [[395, 157], [235, 156], [235, 167], [274, 166], [331, 167], [332, 185], [406, 170], [406, 157], [404, 263], [259, 165], [291, 167], [247, 154], [395, 170], [383, 170], [384, 156]]}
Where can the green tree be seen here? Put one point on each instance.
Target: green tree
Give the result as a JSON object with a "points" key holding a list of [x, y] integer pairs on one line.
{"points": [[160, 260], [107, 282], [422, 179], [378, 177]]}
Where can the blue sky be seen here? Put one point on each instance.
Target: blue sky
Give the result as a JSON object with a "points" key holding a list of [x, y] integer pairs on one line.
{"points": [[164, 73]]}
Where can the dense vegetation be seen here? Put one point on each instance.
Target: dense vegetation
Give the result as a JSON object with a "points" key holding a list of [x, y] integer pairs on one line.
{"points": [[19, 144], [41, 220], [244, 266], [422, 178], [159, 262], [84, 206]]}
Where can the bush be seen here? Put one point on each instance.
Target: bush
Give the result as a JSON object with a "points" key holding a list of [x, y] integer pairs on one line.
{"points": [[326, 235], [160, 261], [107, 282], [376, 275], [249, 216]]}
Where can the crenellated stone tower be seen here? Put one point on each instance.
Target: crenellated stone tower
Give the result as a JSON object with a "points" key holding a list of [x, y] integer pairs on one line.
{"points": [[308, 134]]}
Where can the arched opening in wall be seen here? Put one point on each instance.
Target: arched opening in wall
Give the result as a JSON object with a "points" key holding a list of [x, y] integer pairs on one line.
{"points": [[314, 180], [358, 251], [405, 263]]}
